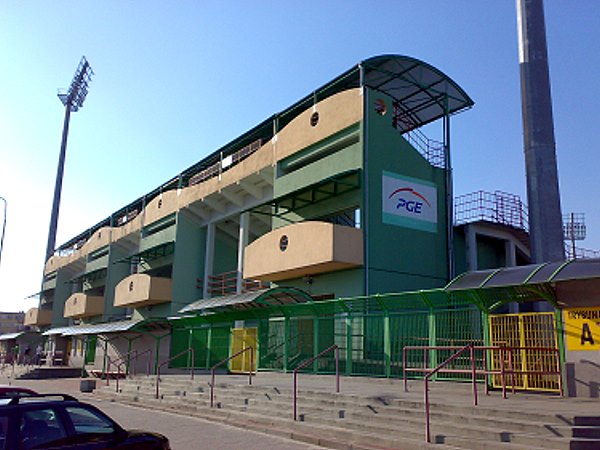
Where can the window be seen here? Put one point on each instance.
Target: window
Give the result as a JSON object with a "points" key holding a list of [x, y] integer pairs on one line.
{"points": [[39, 427], [86, 421], [3, 430]]}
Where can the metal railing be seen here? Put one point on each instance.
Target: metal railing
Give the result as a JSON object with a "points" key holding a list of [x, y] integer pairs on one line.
{"points": [[126, 357], [168, 360], [496, 207], [226, 283], [128, 361], [580, 253], [310, 361], [220, 363], [503, 372], [224, 163]]}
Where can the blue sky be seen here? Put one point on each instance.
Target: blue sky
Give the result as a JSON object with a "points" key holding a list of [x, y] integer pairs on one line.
{"points": [[176, 80]]}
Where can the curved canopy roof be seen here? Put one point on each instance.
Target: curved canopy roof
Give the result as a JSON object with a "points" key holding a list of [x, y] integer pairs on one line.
{"points": [[109, 327], [248, 300], [552, 282], [576, 269]]}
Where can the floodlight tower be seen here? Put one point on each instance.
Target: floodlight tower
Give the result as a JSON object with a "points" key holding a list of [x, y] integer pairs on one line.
{"points": [[543, 197], [73, 99]]}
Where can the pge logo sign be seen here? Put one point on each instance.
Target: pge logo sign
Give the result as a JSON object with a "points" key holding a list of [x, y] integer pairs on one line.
{"points": [[404, 196], [582, 328], [409, 202]]}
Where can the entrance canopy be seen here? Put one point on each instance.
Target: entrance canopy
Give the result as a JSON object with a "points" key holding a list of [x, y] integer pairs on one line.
{"points": [[10, 336], [262, 298], [565, 283], [561, 284], [108, 327]]}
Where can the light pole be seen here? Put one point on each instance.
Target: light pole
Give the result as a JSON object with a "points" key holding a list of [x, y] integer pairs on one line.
{"points": [[3, 226], [73, 99]]}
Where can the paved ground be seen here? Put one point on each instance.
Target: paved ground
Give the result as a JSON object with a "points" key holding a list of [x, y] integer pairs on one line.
{"points": [[184, 433], [187, 433]]}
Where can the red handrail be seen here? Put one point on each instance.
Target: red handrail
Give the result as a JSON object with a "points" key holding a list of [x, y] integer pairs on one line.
{"points": [[212, 370], [137, 355], [188, 350], [473, 370], [311, 360], [114, 362], [437, 369]]}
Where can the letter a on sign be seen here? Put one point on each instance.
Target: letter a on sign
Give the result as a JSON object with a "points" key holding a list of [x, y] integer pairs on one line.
{"points": [[582, 328], [586, 335]]}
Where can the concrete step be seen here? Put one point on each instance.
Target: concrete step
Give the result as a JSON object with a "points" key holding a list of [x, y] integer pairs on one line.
{"points": [[340, 437], [447, 430], [367, 410], [453, 426]]}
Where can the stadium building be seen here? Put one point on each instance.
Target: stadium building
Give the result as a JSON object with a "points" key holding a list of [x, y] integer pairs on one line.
{"points": [[329, 223]]}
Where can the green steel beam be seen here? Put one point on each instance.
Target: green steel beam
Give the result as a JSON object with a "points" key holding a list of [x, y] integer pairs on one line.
{"points": [[387, 344]]}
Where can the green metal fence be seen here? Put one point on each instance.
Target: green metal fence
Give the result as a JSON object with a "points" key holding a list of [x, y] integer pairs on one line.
{"points": [[369, 331]]}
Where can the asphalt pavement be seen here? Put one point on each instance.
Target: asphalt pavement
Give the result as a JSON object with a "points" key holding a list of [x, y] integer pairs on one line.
{"points": [[184, 432]]}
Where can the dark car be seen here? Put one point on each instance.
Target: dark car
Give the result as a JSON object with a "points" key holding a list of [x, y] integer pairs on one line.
{"points": [[59, 421], [13, 391]]}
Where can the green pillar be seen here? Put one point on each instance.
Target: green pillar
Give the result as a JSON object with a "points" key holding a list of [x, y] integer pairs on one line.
{"points": [[349, 344], [560, 337], [85, 346], [387, 344], [129, 341], [486, 342], [432, 339], [286, 331], [156, 354], [105, 355], [189, 355], [316, 343], [209, 345]]}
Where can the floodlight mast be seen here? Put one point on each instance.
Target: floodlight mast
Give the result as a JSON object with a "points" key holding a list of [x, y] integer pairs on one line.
{"points": [[73, 99]]}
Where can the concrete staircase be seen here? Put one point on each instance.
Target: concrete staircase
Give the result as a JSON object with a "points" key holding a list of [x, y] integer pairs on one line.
{"points": [[31, 372], [359, 420]]}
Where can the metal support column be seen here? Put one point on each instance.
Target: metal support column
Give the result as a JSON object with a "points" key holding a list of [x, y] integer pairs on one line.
{"points": [[242, 243], [208, 258]]}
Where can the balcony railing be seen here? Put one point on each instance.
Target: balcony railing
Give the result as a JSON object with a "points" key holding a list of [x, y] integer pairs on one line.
{"points": [[225, 163], [226, 283]]}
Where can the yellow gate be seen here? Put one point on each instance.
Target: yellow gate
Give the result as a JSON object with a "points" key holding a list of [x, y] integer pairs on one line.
{"points": [[526, 330], [242, 338]]}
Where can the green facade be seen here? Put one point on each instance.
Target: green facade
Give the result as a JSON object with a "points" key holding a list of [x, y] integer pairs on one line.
{"points": [[399, 257]]}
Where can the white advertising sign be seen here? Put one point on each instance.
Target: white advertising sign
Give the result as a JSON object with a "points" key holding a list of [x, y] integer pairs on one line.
{"points": [[409, 202]]}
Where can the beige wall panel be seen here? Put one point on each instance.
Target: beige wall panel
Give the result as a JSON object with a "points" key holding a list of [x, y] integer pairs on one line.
{"points": [[197, 192], [335, 113], [257, 161], [312, 247], [82, 305], [36, 316], [161, 206], [142, 290], [133, 226], [53, 263], [99, 239]]}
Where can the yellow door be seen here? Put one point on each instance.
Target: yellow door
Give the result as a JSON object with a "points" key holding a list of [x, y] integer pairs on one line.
{"points": [[527, 333], [242, 338]]}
